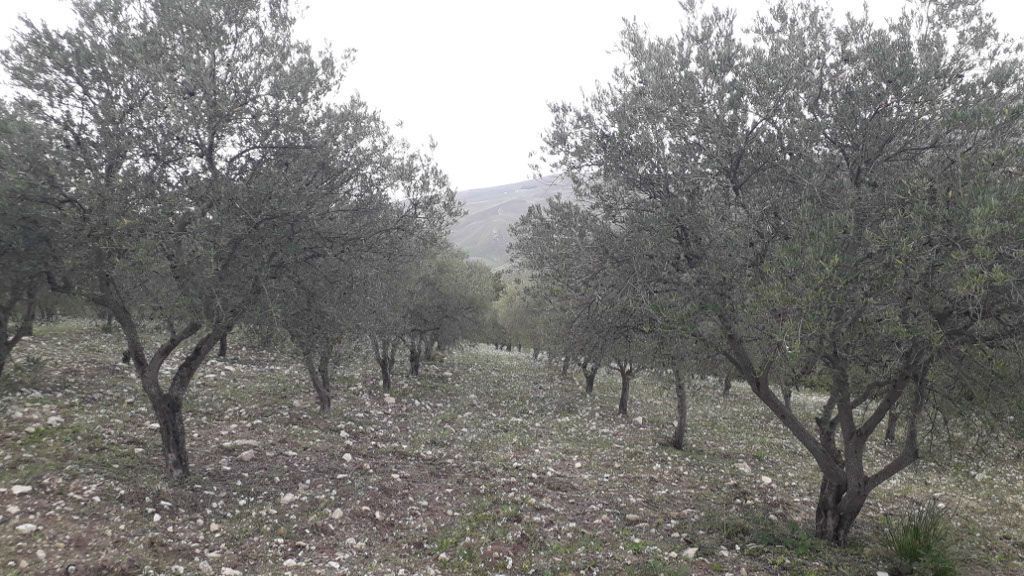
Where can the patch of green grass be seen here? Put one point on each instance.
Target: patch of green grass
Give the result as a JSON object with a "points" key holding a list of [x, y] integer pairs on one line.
{"points": [[920, 542]]}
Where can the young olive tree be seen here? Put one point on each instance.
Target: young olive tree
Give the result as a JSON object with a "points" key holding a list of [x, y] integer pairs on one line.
{"points": [[194, 142], [318, 301], [582, 264], [448, 303], [837, 199]]}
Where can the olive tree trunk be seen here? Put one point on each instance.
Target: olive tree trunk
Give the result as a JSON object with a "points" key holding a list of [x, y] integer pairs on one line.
{"points": [[415, 358], [384, 353], [589, 375], [319, 369], [9, 341], [626, 373], [167, 404]]}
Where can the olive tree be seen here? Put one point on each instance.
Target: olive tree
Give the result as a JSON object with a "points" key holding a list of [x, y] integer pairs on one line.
{"points": [[386, 195], [29, 231], [195, 140], [834, 199], [582, 264]]}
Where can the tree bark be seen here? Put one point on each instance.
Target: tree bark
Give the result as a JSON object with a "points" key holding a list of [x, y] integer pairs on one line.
{"points": [[414, 360], [679, 436], [787, 397], [589, 375], [319, 375], [837, 509], [626, 373], [384, 354], [890, 426], [385, 374], [7, 344], [222, 348], [167, 409]]}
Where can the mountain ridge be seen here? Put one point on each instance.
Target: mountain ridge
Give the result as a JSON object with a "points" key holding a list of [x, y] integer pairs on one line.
{"points": [[483, 231]]}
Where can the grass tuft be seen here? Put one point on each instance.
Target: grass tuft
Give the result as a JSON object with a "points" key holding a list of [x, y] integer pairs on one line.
{"points": [[920, 542]]}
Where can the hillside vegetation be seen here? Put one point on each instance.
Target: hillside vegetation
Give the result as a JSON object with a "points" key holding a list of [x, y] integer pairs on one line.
{"points": [[483, 231]]}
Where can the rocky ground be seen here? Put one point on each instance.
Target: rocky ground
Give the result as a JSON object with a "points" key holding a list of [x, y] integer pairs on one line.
{"points": [[489, 463]]}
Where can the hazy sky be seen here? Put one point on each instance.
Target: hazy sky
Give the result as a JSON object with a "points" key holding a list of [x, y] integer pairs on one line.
{"points": [[477, 74]]}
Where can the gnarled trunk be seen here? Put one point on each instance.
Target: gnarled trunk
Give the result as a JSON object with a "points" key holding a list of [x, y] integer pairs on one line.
{"points": [[837, 509], [679, 436], [167, 409]]}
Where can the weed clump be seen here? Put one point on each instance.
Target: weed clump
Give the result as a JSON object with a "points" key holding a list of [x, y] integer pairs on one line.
{"points": [[920, 542]]}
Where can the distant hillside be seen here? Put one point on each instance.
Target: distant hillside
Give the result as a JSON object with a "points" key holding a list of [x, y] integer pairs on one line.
{"points": [[483, 231]]}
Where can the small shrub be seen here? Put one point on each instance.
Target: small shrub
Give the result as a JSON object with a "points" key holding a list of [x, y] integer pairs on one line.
{"points": [[920, 542]]}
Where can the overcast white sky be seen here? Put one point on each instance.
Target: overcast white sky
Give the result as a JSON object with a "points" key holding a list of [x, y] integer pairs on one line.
{"points": [[477, 74]]}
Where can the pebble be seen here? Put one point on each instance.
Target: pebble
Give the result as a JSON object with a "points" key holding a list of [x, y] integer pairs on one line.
{"points": [[205, 567], [229, 572], [690, 553], [288, 498], [337, 513], [744, 467], [19, 489], [26, 528], [247, 456], [347, 457]]}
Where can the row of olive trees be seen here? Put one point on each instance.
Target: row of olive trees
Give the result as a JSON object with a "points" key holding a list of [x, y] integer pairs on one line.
{"points": [[807, 199], [191, 164]]}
